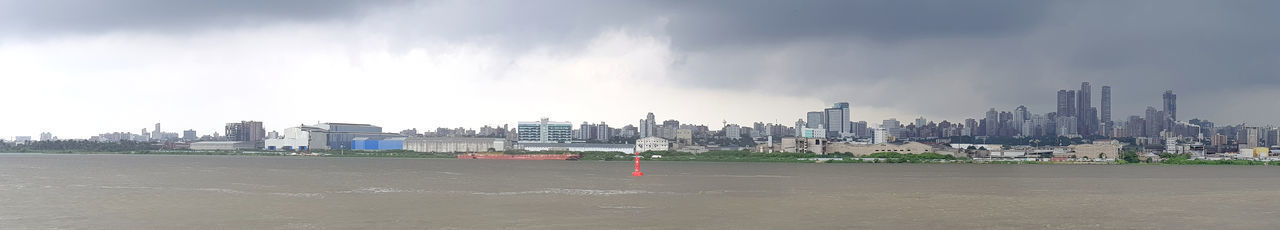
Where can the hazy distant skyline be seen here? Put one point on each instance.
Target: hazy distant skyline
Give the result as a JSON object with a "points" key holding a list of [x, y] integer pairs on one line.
{"points": [[79, 68]]}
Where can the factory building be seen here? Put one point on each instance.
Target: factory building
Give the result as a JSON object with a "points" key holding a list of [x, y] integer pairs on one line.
{"points": [[577, 147], [365, 143], [454, 144]]}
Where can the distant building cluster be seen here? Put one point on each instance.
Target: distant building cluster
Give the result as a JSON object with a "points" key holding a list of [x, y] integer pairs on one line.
{"points": [[1075, 116]]}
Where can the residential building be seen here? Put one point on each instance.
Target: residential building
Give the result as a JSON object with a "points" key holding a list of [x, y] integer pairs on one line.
{"points": [[652, 144], [545, 131], [1171, 104]]}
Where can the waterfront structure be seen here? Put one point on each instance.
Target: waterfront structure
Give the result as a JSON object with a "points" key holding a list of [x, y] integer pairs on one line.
{"points": [[340, 134], [1098, 149], [365, 143], [545, 131], [800, 145], [577, 147], [863, 150], [455, 144], [223, 145], [652, 144], [301, 138]]}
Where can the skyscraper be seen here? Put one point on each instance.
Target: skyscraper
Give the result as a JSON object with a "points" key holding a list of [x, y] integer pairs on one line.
{"points": [[1171, 105], [1106, 111], [815, 119], [1084, 113], [838, 120], [648, 126], [993, 120], [1066, 103]]}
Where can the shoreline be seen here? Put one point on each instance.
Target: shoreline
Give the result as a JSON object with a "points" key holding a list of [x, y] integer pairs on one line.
{"points": [[600, 157]]}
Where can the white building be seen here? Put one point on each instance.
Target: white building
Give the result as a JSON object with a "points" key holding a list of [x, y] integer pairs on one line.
{"points": [[881, 136], [454, 144], [301, 138], [544, 131], [732, 131], [652, 144], [813, 133]]}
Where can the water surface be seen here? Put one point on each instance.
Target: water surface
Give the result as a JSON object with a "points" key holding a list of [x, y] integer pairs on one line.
{"points": [[241, 192]]}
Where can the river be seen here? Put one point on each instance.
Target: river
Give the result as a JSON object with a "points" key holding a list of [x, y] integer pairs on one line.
{"points": [[43, 191]]}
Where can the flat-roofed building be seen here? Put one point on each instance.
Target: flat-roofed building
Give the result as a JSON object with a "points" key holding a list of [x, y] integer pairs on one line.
{"points": [[544, 131], [223, 145], [578, 147], [455, 144]]}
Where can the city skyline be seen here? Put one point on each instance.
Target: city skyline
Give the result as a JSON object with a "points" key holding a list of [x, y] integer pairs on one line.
{"points": [[122, 66]]}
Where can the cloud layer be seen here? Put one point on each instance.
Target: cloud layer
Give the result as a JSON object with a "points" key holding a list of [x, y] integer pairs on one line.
{"points": [[502, 61]]}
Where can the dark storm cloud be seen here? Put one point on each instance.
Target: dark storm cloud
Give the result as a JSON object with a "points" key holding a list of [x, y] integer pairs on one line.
{"points": [[948, 59], [953, 59], [701, 25]]}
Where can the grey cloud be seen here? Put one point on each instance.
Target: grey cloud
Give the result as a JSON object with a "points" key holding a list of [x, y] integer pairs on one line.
{"points": [[72, 17], [947, 59]]}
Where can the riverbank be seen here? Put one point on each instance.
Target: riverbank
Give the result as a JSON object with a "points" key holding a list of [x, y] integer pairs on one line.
{"points": [[720, 156]]}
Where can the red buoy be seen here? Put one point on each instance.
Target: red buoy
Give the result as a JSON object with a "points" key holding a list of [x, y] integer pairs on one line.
{"points": [[637, 172]]}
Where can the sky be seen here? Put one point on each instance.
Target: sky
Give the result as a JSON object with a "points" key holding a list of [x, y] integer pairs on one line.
{"points": [[80, 68]]}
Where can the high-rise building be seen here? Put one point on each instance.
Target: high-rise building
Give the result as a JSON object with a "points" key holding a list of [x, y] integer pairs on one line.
{"points": [[1084, 113], [800, 125], [545, 131], [1066, 102], [648, 126], [881, 136], [859, 129], [893, 126], [732, 131], [815, 119], [251, 131], [46, 136], [189, 135], [1171, 105], [992, 124], [920, 122], [970, 127], [1155, 122], [1250, 137], [1106, 111]]}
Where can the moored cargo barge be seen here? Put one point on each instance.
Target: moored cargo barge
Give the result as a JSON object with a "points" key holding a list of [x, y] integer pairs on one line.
{"points": [[535, 156]]}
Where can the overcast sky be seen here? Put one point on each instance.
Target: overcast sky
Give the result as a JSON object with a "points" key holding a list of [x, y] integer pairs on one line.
{"points": [[79, 68]]}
